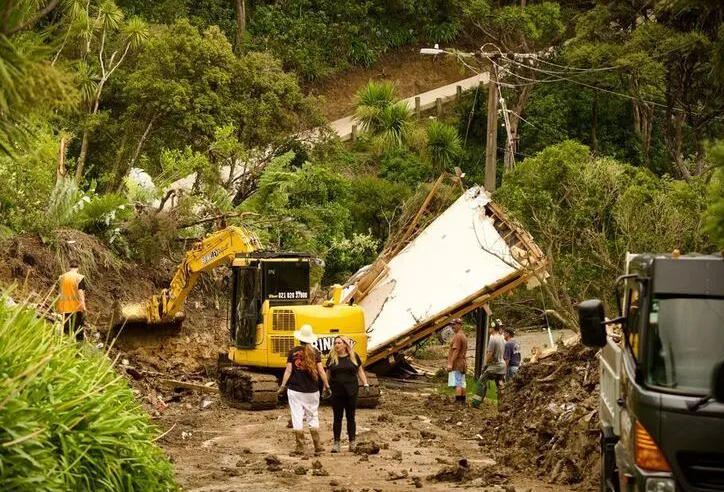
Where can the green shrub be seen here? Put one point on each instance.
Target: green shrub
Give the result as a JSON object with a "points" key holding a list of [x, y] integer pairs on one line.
{"points": [[68, 421], [405, 167], [588, 212], [346, 256]]}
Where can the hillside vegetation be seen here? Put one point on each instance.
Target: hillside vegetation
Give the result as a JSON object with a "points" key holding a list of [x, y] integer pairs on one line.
{"points": [[607, 143]]}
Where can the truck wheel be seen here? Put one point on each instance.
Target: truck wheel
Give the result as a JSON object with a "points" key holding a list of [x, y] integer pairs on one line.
{"points": [[609, 471]]}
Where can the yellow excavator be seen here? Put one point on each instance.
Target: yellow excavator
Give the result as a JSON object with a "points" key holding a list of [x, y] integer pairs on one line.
{"points": [[269, 300]]}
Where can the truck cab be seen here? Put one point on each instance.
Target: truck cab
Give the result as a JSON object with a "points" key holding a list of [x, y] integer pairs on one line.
{"points": [[662, 395]]}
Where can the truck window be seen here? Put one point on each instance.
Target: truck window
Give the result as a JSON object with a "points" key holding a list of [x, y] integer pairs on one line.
{"points": [[687, 336], [633, 319]]}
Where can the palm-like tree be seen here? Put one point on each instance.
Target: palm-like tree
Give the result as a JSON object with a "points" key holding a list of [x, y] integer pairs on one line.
{"points": [[443, 145], [372, 100], [28, 81], [387, 120], [394, 125]]}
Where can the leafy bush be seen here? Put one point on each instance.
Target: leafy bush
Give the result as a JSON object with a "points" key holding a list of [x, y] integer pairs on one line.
{"points": [[68, 421], [714, 217], [375, 204], [348, 255], [405, 167], [26, 182], [587, 212], [149, 235]]}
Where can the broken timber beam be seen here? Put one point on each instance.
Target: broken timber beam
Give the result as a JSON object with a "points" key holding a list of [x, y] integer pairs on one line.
{"points": [[172, 383]]}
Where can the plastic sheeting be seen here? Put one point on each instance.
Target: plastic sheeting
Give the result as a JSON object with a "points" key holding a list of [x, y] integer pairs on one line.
{"points": [[457, 255]]}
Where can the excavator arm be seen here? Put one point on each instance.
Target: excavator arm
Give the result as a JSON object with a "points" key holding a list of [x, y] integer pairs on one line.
{"points": [[217, 249]]}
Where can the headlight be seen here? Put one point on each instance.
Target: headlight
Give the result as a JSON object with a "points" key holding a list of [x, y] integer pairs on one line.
{"points": [[660, 485]]}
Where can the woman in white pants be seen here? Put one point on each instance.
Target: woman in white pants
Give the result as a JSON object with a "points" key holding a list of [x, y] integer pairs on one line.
{"points": [[301, 382]]}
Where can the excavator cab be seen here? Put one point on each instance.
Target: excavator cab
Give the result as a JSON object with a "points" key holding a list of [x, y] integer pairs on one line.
{"points": [[270, 299], [281, 279]]}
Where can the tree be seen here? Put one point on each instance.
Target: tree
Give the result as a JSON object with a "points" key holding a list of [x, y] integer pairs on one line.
{"points": [[387, 120], [586, 212], [186, 84], [668, 57], [443, 145], [515, 27], [29, 83], [105, 41]]}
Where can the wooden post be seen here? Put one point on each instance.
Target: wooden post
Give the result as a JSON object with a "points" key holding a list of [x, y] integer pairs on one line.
{"points": [[354, 133], [481, 339], [417, 105], [438, 105], [491, 142], [459, 92]]}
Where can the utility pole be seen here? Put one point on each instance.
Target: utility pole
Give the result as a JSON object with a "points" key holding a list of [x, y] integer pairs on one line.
{"points": [[491, 142], [494, 95]]}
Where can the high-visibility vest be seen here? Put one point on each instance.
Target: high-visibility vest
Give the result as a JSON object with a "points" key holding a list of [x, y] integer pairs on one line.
{"points": [[69, 300]]}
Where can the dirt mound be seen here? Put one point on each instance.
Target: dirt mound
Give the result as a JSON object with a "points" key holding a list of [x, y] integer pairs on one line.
{"points": [[32, 265], [410, 72], [548, 419]]}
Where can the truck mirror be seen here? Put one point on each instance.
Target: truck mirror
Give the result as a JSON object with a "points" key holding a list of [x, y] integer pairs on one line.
{"points": [[717, 382], [591, 319]]}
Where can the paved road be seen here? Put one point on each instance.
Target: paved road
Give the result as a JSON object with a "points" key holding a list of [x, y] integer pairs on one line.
{"points": [[447, 93], [343, 127]]}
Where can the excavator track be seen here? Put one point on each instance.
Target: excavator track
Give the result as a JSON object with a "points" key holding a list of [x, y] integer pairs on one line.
{"points": [[247, 390], [373, 399]]}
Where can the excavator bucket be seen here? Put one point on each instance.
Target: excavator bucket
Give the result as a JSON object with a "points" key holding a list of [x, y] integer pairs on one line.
{"points": [[130, 313], [138, 317]]}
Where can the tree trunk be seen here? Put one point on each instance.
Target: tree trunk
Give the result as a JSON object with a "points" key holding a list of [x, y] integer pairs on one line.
{"points": [[675, 144], [137, 152], [240, 24], [80, 167], [700, 156], [60, 172], [594, 123], [643, 116], [491, 142]]}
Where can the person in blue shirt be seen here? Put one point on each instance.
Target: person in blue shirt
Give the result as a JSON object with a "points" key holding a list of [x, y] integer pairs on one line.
{"points": [[511, 354]]}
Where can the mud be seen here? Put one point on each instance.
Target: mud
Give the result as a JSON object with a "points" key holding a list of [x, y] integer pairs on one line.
{"points": [[225, 449], [416, 439], [548, 419], [33, 267]]}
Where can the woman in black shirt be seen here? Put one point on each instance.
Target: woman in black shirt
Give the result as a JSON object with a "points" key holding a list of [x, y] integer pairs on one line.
{"points": [[343, 369], [301, 381]]}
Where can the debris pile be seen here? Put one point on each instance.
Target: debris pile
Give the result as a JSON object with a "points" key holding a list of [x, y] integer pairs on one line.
{"points": [[548, 419]]}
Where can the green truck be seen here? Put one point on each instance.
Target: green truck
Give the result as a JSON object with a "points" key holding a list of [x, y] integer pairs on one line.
{"points": [[662, 377]]}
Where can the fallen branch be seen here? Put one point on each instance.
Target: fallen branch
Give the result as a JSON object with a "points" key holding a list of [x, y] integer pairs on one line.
{"points": [[216, 217], [172, 383]]}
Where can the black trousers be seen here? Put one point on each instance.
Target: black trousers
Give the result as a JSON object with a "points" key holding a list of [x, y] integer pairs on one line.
{"points": [[344, 401], [73, 323]]}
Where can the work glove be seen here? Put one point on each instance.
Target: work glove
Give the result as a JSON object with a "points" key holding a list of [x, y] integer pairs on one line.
{"points": [[366, 390], [326, 393], [282, 389]]}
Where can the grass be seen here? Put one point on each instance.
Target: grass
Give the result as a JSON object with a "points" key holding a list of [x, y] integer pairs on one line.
{"points": [[68, 421]]}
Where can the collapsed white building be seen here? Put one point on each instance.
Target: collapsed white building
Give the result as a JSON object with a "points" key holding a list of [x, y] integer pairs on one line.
{"points": [[469, 255]]}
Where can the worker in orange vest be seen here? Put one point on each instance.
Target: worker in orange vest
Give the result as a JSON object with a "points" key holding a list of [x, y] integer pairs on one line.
{"points": [[71, 302]]}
